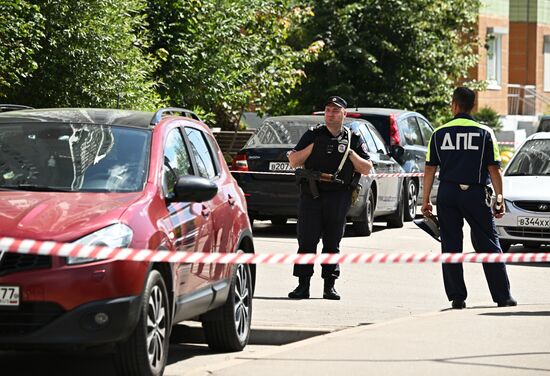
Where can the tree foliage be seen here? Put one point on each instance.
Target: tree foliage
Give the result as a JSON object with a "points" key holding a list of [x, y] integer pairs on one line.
{"points": [[20, 30], [91, 56], [388, 53], [219, 57]]}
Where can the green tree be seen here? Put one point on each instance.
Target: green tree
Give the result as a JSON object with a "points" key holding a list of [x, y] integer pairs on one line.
{"points": [[388, 53], [220, 57], [20, 30], [91, 56]]}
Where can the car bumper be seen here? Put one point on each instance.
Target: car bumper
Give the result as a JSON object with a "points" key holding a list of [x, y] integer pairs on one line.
{"points": [[76, 327], [509, 229]]}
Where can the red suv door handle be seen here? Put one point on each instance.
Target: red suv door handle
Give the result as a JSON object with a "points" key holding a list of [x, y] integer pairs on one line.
{"points": [[230, 200], [205, 211]]}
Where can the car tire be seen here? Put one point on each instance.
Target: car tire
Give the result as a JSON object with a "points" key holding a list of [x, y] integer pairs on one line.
{"points": [[504, 245], [410, 199], [363, 226], [145, 352], [395, 220], [279, 221], [230, 328]]}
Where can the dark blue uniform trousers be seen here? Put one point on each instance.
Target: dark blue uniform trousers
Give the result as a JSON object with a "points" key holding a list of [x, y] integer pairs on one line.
{"points": [[453, 206], [323, 217]]}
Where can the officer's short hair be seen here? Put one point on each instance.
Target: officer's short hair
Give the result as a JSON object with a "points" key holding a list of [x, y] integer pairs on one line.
{"points": [[464, 98]]}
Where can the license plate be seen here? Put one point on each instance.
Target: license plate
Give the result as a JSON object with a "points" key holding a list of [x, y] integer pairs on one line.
{"points": [[9, 296], [280, 166], [533, 222]]}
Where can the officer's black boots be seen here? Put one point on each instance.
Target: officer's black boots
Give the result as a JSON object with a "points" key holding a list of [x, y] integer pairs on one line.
{"points": [[302, 291], [329, 292]]}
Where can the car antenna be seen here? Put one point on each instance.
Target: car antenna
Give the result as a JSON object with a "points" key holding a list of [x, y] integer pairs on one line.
{"points": [[118, 101]]}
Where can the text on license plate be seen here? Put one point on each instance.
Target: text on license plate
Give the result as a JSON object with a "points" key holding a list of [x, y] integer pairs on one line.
{"points": [[533, 222], [280, 166], [9, 296]]}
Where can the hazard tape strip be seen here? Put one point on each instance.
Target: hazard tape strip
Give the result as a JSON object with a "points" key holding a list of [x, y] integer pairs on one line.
{"points": [[27, 246]]}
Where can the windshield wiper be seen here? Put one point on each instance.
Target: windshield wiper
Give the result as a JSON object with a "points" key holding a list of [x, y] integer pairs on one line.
{"points": [[36, 188]]}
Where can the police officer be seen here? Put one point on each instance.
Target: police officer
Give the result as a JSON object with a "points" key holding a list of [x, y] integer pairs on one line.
{"points": [[468, 158], [322, 149]]}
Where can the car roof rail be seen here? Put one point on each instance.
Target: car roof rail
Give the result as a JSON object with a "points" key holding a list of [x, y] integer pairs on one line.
{"points": [[187, 113], [13, 107]]}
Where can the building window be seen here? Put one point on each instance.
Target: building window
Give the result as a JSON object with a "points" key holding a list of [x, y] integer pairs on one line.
{"points": [[494, 60], [546, 52]]}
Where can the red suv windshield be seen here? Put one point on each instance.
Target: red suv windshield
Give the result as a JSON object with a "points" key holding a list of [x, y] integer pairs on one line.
{"points": [[73, 157]]}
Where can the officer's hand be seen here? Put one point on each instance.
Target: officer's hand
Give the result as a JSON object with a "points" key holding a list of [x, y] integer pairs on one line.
{"points": [[427, 209], [498, 211]]}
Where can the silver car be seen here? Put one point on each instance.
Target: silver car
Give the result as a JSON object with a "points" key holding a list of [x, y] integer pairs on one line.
{"points": [[527, 195]]}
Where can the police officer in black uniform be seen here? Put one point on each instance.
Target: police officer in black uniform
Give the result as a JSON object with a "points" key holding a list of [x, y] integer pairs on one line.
{"points": [[322, 149], [468, 158]]}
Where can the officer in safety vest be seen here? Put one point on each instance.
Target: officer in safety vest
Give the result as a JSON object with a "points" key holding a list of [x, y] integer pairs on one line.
{"points": [[323, 213], [468, 158]]}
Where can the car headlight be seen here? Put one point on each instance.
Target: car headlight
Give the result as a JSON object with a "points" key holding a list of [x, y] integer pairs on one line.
{"points": [[117, 235]]}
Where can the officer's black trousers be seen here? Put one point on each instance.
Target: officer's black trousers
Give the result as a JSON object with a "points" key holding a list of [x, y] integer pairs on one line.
{"points": [[453, 206], [323, 217]]}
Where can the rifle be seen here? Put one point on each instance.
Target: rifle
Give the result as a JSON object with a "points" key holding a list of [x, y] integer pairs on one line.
{"points": [[313, 177]]}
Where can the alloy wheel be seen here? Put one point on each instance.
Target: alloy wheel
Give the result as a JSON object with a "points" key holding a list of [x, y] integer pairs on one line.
{"points": [[156, 328], [242, 302]]}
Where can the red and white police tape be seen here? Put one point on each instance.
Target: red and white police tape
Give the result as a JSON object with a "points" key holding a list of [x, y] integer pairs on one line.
{"points": [[28, 246], [377, 175]]}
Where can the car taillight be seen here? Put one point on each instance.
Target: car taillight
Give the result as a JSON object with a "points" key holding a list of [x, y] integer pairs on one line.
{"points": [[395, 139], [239, 163], [353, 115]]}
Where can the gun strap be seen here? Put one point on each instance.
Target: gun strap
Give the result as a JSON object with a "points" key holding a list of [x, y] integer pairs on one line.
{"points": [[346, 153]]}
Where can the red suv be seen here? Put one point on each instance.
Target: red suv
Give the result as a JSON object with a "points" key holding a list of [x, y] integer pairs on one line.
{"points": [[120, 179]]}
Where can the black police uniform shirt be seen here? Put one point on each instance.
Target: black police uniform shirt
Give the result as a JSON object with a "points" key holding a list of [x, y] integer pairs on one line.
{"points": [[327, 154], [463, 149]]}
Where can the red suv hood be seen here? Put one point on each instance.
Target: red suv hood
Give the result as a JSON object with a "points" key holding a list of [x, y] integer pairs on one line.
{"points": [[59, 216]]}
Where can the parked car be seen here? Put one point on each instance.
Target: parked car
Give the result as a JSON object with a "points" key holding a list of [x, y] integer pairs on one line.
{"points": [[120, 179], [406, 133], [275, 197], [544, 124], [526, 182]]}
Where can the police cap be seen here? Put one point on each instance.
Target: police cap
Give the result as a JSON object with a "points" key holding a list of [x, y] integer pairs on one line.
{"points": [[336, 101]]}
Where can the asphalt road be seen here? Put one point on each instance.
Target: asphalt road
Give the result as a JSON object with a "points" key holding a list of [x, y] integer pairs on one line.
{"points": [[370, 294]]}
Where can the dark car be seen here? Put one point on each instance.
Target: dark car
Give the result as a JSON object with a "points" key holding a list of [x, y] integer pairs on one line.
{"points": [[407, 134], [544, 124], [120, 179], [275, 197]]}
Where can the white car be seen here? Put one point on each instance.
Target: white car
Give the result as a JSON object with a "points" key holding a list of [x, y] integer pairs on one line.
{"points": [[527, 195]]}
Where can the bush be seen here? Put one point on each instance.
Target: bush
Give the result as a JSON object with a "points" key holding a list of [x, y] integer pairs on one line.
{"points": [[489, 117]]}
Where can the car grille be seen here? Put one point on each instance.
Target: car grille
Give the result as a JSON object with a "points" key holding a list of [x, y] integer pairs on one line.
{"points": [[534, 206], [529, 232], [27, 318], [17, 262]]}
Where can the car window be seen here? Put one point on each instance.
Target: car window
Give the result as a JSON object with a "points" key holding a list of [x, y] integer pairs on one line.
{"points": [[176, 160], [532, 159], [380, 145], [544, 125], [426, 130], [411, 131], [73, 157], [280, 132], [202, 153], [371, 145]]}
